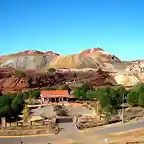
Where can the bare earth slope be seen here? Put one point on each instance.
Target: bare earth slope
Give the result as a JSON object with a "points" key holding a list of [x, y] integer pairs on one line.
{"points": [[73, 61], [99, 54], [10, 82], [91, 58], [27, 60]]}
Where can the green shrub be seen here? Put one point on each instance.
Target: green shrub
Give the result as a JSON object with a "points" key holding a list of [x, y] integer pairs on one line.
{"points": [[51, 70], [19, 73]]}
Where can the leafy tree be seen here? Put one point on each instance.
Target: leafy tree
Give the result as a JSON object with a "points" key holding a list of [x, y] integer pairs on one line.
{"points": [[78, 94], [132, 98], [17, 104], [141, 99], [35, 94], [81, 92], [111, 109], [6, 111], [84, 88], [138, 88], [104, 100], [25, 95], [4, 100], [121, 94], [91, 95]]}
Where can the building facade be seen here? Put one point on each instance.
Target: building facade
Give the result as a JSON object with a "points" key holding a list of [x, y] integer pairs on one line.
{"points": [[54, 96]]}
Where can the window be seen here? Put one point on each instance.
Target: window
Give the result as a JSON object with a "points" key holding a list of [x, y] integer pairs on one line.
{"points": [[46, 99], [65, 99]]}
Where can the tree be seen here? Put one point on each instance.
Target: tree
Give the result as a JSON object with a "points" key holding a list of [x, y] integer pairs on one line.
{"points": [[26, 114], [138, 88], [141, 99], [121, 92], [132, 98], [104, 100], [25, 95], [17, 104], [77, 93], [80, 92], [84, 88], [4, 100], [98, 108], [91, 95], [6, 111], [35, 94], [111, 110]]}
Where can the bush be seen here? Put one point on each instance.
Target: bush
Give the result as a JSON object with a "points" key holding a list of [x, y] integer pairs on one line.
{"points": [[61, 110], [19, 73], [51, 70]]}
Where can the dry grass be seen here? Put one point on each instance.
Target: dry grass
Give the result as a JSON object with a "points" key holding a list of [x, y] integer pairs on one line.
{"points": [[127, 143], [128, 137], [136, 133]]}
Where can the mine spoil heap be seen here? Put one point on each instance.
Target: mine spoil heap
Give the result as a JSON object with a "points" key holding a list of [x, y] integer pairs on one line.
{"points": [[11, 81]]}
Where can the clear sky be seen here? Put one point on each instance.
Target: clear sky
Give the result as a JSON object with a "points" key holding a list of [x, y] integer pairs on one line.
{"points": [[69, 26]]}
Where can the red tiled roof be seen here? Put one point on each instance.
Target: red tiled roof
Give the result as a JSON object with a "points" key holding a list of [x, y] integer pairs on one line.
{"points": [[54, 92]]}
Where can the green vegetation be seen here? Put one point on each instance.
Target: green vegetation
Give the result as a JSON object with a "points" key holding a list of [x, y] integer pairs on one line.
{"points": [[108, 99], [51, 70], [81, 91], [11, 105], [61, 110], [111, 98], [31, 94], [135, 97], [19, 73]]}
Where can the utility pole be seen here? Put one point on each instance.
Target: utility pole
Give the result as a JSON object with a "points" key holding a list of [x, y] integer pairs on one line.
{"points": [[122, 107]]}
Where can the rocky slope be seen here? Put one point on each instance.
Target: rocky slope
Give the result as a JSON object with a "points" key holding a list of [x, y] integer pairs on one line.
{"points": [[12, 80], [91, 58], [135, 66]]}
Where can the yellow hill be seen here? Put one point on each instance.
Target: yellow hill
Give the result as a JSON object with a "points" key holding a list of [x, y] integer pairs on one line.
{"points": [[73, 61]]}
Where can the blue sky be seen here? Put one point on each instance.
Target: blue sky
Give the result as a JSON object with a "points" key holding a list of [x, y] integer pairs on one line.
{"points": [[69, 26]]}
